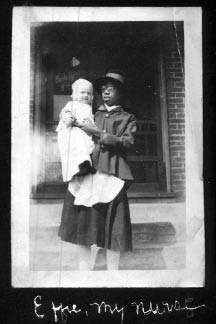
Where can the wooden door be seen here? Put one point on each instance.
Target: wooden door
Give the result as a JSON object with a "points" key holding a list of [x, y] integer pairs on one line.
{"points": [[146, 157]]}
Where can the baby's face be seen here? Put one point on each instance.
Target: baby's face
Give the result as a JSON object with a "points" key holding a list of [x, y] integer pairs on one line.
{"points": [[84, 94]]}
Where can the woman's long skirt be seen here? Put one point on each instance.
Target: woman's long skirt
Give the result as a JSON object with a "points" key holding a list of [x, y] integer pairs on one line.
{"points": [[107, 225]]}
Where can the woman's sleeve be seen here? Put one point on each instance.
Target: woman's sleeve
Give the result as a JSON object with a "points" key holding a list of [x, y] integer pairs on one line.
{"points": [[125, 140], [91, 118]]}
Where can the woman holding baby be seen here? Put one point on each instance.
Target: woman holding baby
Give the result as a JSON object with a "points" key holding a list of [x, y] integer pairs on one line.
{"points": [[96, 211]]}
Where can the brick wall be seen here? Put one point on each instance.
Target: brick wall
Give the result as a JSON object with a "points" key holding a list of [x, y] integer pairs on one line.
{"points": [[173, 47]]}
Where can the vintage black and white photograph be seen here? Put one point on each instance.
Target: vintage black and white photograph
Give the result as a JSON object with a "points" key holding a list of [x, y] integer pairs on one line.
{"points": [[107, 186]]}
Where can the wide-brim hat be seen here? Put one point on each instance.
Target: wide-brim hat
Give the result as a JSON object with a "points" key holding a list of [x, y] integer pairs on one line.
{"points": [[115, 77]]}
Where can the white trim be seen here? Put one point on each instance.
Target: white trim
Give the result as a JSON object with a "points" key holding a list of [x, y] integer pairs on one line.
{"points": [[193, 274]]}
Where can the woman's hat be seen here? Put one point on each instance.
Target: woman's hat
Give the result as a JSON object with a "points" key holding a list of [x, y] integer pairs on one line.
{"points": [[113, 76]]}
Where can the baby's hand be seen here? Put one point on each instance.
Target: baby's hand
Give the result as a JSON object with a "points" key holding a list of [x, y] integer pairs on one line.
{"points": [[90, 128], [70, 121], [82, 122], [88, 122]]}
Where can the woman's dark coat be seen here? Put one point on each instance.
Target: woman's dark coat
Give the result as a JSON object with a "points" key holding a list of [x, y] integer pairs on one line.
{"points": [[109, 155], [107, 225]]}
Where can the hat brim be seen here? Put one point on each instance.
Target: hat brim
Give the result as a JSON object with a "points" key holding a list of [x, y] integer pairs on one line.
{"points": [[98, 83]]}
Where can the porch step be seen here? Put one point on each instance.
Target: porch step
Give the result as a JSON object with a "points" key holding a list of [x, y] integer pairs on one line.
{"points": [[171, 258], [158, 238], [144, 236], [48, 213], [155, 246], [55, 194], [152, 258]]}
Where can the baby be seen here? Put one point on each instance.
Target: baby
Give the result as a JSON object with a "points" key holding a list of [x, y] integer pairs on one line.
{"points": [[74, 144]]}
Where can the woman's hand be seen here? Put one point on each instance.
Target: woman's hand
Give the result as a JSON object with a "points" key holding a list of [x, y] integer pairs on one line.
{"points": [[88, 127]]}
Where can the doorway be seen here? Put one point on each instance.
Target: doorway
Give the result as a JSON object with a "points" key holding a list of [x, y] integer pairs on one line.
{"points": [[64, 52]]}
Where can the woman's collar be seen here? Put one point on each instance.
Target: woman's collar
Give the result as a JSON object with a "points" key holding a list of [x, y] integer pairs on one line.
{"points": [[109, 108], [104, 107]]}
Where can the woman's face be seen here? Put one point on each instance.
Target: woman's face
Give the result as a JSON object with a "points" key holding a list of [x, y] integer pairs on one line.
{"points": [[110, 94]]}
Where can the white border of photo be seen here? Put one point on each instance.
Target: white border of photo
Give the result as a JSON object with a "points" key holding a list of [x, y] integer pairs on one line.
{"points": [[193, 274]]}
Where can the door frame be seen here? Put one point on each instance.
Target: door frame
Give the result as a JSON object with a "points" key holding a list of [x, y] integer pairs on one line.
{"points": [[164, 118], [39, 96]]}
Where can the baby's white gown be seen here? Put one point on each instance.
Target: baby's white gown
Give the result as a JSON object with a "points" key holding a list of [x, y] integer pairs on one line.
{"points": [[75, 147], [74, 144]]}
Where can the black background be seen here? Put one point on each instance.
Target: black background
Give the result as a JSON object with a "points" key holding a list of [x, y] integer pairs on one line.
{"points": [[17, 304]]}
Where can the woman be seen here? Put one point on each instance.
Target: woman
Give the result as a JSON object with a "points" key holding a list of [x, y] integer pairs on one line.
{"points": [[105, 225]]}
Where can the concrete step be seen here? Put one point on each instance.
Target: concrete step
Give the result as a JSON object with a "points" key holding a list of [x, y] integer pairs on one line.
{"points": [[143, 235], [49, 212], [154, 247], [158, 238], [166, 216], [147, 259], [154, 258]]}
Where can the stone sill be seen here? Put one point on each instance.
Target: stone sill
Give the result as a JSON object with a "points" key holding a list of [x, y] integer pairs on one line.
{"points": [[131, 195]]}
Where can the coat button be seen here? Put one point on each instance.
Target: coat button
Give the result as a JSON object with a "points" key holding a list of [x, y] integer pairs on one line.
{"points": [[107, 115]]}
